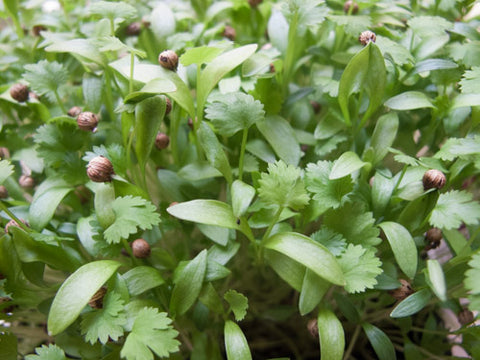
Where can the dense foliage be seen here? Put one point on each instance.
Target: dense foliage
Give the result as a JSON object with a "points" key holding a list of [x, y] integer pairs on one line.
{"points": [[239, 179]]}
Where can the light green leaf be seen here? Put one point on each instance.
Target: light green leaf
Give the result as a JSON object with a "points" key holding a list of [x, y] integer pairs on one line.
{"points": [[188, 285], [308, 253], [453, 208], [236, 344], [409, 100], [334, 242], [46, 77], [281, 137], [50, 352], [200, 55], [113, 10], [46, 200], [238, 303], [141, 279], [384, 135], [218, 68], [360, 268], [242, 196], [80, 47], [381, 343], [313, 289], [365, 72], [412, 304], [331, 334], [6, 169], [470, 83], [148, 117], [437, 279], [459, 147], [346, 164], [433, 64], [76, 292], [403, 247], [289, 270], [210, 212], [213, 151]]}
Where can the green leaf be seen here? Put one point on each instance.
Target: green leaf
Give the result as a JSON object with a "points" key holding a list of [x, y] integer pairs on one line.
{"points": [[457, 147], [382, 190], [471, 281], [346, 164], [238, 303], [151, 331], [189, 284], [218, 68], [289, 270], [50, 352], [278, 29], [218, 234], [395, 50], [112, 43], [106, 322], [354, 223], [141, 279], [403, 247], [334, 242], [365, 72], [353, 25], [213, 151], [331, 334], [46, 200], [454, 208], [409, 100], [8, 346], [427, 26], [283, 187], [412, 304], [76, 292], [210, 212], [92, 88], [200, 55], [313, 289], [113, 10], [82, 48], [46, 77], [233, 112], [242, 196], [360, 268], [470, 83], [329, 193], [6, 169], [309, 253], [433, 64], [236, 344], [381, 343], [131, 214], [437, 279], [281, 137], [384, 135], [152, 88], [148, 117]]}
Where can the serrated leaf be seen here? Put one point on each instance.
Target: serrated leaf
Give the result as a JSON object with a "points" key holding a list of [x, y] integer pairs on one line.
{"points": [[399, 54], [329, 193], [333, 241], [470, 83], [233, 112], [46, 77], [151, 332], [459, 147], [76, 291], [131, 214], [360, 268], [238, 303], [454, 208], [354, 223], [403, 247], [282, 186], [113, 10], [427, 26], [353, 25], [473, 274], [50, 352], [106, 322]]}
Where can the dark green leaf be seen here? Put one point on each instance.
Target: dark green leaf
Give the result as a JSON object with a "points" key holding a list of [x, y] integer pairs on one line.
{"points": [[412, 304], [76, 291], [8, 346], [313, 289], [141, 279], [384, 135], [381, 343]]}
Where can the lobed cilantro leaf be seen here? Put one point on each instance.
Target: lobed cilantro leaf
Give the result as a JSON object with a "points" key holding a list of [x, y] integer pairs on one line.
{"points": [[151, 331], [105, 323], [131, 214], [463, 148], [113, 10], [6, 169], [454, 208], [233, 112], [360, 267], [112, 43], [470, 83], [354, 223], [282, 186], [329, 193], [50, 352], [45, 77], [333, 241], [238, 303]]}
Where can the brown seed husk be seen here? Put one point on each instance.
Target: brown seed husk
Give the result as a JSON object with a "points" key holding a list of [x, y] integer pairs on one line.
{"points": [[100, 169], [141, 249]]}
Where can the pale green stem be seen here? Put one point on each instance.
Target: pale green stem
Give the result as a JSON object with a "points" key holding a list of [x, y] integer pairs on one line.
{"points": [[272, 224], [59, 101], [13, 217], [132, 66], [242, 153]]}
